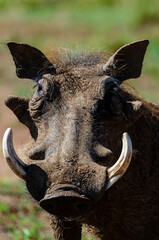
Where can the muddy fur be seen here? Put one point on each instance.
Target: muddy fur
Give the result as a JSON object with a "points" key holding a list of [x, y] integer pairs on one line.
{"points": [[80, 110]]}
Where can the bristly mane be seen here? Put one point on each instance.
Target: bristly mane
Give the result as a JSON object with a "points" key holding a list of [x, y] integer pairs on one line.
{"points": [[66, 57]]}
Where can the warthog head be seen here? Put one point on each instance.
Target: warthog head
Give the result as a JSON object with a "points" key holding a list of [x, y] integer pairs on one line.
{"points": [[76, 117]]}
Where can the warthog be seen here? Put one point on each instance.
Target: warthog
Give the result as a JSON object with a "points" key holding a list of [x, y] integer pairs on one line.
{"points": [[77, 118]]}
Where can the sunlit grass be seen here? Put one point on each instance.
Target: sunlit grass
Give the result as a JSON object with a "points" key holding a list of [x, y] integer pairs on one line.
{"points": [[20, 217]]}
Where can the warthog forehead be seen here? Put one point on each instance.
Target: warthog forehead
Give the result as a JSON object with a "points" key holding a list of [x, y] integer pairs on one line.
{"points": [[80, 79]]}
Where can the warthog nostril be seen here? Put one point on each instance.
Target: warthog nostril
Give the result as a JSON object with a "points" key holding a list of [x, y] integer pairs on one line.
{"points": [[66, 205], [50, 206], [82, 206]]}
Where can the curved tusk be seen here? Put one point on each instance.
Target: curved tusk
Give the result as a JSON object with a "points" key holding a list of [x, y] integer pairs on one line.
{"points": [[14, 162], [119, 168]]}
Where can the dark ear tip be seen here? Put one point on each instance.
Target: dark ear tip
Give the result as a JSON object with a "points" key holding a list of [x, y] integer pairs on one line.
{"points": [[14, 100], [8, 100], [140, 43], [146, 42], [10, 44]]}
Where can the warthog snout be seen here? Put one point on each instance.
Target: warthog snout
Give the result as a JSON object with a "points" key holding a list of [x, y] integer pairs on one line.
{"points": [[66, 203]]}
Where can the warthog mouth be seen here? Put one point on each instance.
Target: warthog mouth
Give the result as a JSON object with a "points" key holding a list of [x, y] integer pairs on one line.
{"points": [[66, 201]]}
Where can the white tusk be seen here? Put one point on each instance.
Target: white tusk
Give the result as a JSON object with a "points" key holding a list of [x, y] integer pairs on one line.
{"points": [[119, 168], [14, 162]]}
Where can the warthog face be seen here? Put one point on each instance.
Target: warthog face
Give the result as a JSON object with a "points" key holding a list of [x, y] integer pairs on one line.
{"points": [[76, 118]]}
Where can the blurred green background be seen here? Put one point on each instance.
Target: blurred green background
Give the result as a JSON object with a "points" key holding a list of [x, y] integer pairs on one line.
{"points": [[95, 25], [91, 25]]}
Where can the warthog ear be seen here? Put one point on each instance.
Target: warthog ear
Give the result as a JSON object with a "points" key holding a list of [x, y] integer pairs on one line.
{"points": [[19, 106], [127, 61], [30, 62]]}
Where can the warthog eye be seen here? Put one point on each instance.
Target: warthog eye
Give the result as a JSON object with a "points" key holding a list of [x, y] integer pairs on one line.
{"points": [[43, 95], [40, 90], [110, 98], [46, 87]]}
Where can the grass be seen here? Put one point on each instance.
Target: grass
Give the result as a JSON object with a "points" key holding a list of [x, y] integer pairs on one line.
{"points": [[25, 89], [20, 217]]}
